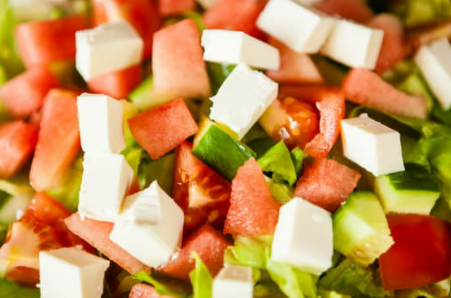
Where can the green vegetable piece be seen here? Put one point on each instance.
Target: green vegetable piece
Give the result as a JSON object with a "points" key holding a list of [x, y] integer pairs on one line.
{"points": [[249, 251], [420, 12], [411, 191], [144, 96], [164, 285], [217, 74], [281, 192], [361, 230], [414, 84], [133, 157], [297, 156], [220, 151], [12, 290], [201, 279], [277, 160], [160, 170]]}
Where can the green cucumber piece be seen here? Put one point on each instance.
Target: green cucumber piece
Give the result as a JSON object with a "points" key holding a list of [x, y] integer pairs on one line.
{"points": [[220, 151], [361, 230], [144, 96], [411, 191]]}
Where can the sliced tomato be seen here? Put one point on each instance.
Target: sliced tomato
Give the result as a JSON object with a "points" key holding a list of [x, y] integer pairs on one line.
{"points": [[202, 193], [421, 254], [142, 15]]}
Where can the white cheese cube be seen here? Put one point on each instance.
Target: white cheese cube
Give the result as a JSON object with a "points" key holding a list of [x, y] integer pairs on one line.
{"points": [[234, 47], [100, 121], [107, 48], [304, 237], [372, 145], [206, 4], [150, 226], [242, 99], [354, 45], [71, 273], [300, 28], [106, 180], [434, 61], [233, 281]]}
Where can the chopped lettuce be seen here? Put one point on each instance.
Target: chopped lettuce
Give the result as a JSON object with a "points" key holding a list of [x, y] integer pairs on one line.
{"points": [[201, 279], [160, 170], [442, 115], [281, 192], [9, 60], [297, 156], [12, 290], [415, 84], [415, 13], [217, 74], [164, 285], [249, 251], [133, 156], [277, 161]]}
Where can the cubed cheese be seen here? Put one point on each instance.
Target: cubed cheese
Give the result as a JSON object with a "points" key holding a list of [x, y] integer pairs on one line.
{"points": [[71, 273], [372, 145], [100, 121], [107, 48], [233, 281], [434, 61], [234, 47], [150, 226], [304, 237], [242, 99], [106, 179], [206, 4], [354, 45], [300, 28]]}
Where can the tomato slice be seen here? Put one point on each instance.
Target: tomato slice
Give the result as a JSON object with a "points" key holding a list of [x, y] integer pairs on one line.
{"points": [[201, 192], [421, 254]]}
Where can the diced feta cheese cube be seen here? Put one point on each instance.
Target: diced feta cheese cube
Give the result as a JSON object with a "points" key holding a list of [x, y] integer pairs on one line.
{"points": [[354, 45], [206, 3], [234, 47], [242, 99], [150, 226], [107, 48], [300, 28], [434, 61], [71, 273], [233, 281], [106, 179], [372, 145], [100, 121], [304, 237]]}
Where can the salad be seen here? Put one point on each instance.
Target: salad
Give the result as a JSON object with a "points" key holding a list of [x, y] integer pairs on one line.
{"points": [[225, 148]]}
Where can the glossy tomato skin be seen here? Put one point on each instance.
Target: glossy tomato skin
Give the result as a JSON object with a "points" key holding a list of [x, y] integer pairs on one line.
{"points": [[421, 254]]}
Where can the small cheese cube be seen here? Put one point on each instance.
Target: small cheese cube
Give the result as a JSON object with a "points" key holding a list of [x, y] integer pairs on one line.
{"points": [[242, 99], [300, 28], [100, 121], [233, 281], [150, 226], [71, 273], [207, 3], [107, 48], [304, 237], [354, 45], [372, 145], [106, 179], [434, 61], [234, 47]]}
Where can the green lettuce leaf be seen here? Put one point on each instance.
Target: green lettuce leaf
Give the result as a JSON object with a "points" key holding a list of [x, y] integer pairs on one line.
{"points": [[281, 192], [277, 161], [160, 170], [133, 156], [267, 289], [420, 12], [442, 115], [164, 285], [9, 60], [249, 251], [217, 74], [201, 279], [12, 290], [297, 156]]}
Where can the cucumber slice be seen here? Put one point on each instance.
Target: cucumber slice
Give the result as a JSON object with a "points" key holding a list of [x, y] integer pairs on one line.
{"points": [[361, 230], [411, 191], [10, 206], [219, 150], [144, 96]]}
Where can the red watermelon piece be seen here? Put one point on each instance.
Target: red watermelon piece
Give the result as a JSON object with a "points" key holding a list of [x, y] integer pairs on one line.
{"points": [[173, 7], [58, 140], [145, 291], [17, 142], [208, 243], [355, 10], [161, 129], [24, 94], [48, 41], [326, 183], [294, 67], [97, 233], [178, 66], [364, 87], [394, 48], [117, 84], [253, 211]]}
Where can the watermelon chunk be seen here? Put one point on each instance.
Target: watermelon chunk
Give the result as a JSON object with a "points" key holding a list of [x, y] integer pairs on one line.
{"points": [[17, 142], [235, 15], [24, 94], [178, 66], [173, 7], [48, 41], [364, 87], [394, 48], [97, 233], [294, 67], [145, 291], [118, 84], [208, 243], [326, 183], [161, 129], [355, 10], [253, 211], [58, 140]]}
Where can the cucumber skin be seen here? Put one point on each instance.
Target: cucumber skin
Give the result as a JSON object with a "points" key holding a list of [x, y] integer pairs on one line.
{"points": [[222, 152], [414, 178]]}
